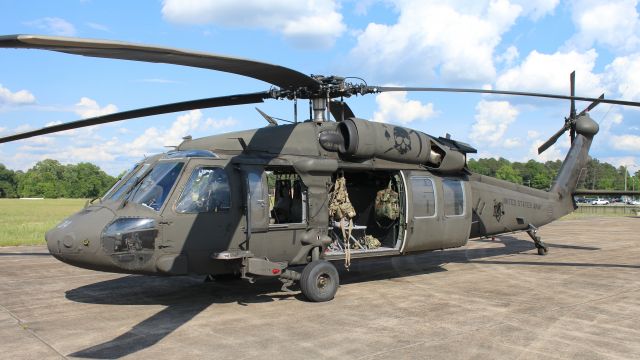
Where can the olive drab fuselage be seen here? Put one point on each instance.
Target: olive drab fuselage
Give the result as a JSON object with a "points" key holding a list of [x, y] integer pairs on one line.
{"points": [[208, 206]]}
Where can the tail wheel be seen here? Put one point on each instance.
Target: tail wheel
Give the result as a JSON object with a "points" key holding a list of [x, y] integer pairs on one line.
{"points": [[319, 281]]}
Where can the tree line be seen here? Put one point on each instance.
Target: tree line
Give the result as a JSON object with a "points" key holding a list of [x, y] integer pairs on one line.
{"points": [[595, 176], [50, 179]]}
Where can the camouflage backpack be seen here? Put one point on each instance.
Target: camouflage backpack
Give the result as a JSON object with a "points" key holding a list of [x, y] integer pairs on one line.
{"points": [[387, 204], [339, 206]]}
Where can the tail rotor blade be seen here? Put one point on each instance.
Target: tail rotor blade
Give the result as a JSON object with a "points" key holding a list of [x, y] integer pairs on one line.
{"points": [[552, 140], [592, 105], [572, 79], [572, 111]]}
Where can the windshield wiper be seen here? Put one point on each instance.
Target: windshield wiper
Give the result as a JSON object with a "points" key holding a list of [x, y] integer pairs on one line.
{"points": [[131, 193]]}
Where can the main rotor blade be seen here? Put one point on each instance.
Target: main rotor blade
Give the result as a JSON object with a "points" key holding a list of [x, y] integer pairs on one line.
{"points": [[274, 74], [552, 140], [379, 89], [148, 111]]}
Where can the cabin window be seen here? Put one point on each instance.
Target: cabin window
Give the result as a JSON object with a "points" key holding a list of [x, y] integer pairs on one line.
{"points": [[453, 197], [424, 199], [287, 196], [206, 191]]}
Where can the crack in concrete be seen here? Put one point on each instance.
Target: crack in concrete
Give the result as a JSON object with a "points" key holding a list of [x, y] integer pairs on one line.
{"points": [[25, 327]]}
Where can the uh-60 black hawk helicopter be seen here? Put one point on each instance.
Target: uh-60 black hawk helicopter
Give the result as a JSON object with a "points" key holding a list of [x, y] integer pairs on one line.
{"points": [[271, 201]]}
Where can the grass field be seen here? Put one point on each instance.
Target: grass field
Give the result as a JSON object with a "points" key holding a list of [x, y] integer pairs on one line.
{"points": [[24, 222]]}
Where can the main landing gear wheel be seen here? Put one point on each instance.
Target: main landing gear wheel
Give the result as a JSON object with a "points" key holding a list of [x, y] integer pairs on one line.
{"points": [[319, 281]]}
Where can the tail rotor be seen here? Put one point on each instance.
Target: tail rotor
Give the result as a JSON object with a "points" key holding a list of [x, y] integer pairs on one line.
{"points": [[570, 122]]}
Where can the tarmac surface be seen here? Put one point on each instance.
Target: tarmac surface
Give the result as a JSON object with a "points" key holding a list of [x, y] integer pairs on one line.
{"points": [[490, 299]]}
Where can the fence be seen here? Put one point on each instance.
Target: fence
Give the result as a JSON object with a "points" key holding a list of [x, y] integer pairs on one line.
{"points": [[621, 209]]}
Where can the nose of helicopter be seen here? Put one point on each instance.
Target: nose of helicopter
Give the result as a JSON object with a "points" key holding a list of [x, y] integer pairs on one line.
{"points": [[76, 240]]}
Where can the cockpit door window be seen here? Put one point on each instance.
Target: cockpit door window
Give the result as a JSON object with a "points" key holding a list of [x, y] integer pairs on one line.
{"points": [[206, 191]]}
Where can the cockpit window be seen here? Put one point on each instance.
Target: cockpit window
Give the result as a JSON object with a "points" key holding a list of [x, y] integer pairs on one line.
{"points": [[116, 192], [154, 189], [206, 191]]}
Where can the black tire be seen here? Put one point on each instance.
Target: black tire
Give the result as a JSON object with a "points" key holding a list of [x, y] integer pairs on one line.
{"points": [[319, 281], [542, 251]]}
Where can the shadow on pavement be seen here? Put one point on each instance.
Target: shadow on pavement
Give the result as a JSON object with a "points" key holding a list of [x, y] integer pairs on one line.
{"points": [[185, 297]]}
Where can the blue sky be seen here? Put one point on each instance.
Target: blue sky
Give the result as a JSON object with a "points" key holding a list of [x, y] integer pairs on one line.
{"points": [[501, 44]]}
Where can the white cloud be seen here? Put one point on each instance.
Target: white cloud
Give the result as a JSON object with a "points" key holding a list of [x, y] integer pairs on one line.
{"points": [[631, 162], [221, 123], [306, 23], [551, 154], [610, 119], [155, 140], [16, 98], [550, 73], [492, 120], [512, 143], [626, 142], [40, 140], [98, 27], [453, 38], [395, 107], [73, 146], [88, 108], [537, 9], [52, 123], [623, 76], [612, 23], [509, 56], [54, 25], [532, 134], [23, 128]]}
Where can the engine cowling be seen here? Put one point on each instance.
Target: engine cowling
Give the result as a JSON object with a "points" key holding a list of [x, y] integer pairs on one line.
{"points": [[363, 139]]}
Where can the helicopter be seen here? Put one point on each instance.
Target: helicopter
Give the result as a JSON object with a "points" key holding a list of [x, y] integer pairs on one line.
{"points": [[290, 201]]}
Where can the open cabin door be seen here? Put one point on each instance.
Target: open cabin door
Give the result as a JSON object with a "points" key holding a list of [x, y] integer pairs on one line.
{"points": [[256, 199], [439, 212]]}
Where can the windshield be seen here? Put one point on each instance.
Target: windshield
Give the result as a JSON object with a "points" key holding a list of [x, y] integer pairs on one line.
{"points": [[119, 182], [154, 189], [114, 194]]}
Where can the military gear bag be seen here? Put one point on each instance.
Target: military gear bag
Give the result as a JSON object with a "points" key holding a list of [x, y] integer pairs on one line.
{"points": [[387, 204], [340, 206], [371, 242]]}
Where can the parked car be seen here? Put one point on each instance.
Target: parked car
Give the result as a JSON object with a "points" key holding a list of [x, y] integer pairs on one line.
{"points": [[599, 201], [636, 202]]}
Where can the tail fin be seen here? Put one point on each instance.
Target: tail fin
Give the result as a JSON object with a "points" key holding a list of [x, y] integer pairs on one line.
{"points": [[567, 179]]}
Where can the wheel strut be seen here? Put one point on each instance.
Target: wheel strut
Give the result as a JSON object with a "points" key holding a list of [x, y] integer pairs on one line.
{"points": [[543, 249]]}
